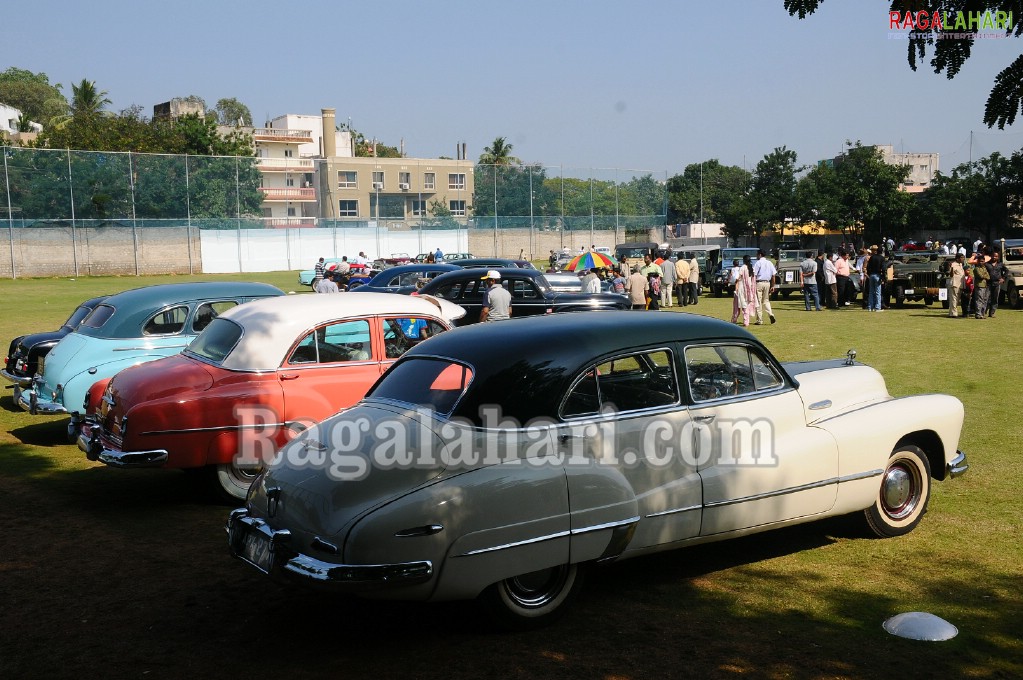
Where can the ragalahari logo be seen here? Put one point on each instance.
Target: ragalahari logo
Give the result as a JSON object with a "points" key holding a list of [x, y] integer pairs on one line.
{"points": [[967, 23]]}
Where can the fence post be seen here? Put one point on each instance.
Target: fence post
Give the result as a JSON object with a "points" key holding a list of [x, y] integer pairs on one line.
{"points": [[134, 226], [71, 192], [10, 214]]}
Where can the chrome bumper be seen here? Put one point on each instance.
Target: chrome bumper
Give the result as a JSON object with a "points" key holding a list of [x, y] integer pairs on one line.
{"points": [[286, 563], [16, 379], [28, 400], [957, 466], [88, 441]]}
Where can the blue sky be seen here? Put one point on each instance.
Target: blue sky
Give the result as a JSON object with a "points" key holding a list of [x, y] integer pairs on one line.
{"points": [[643, 85]]}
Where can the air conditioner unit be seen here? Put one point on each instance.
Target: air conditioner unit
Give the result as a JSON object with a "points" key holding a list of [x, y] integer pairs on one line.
{"points": [[378, 185], [403, 186]]}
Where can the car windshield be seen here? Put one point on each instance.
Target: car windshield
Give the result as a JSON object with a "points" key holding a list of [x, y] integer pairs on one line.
{"points": [[216, 341], [434, 384]]}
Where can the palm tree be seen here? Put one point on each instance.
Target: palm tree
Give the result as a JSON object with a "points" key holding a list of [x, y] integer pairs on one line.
{"points": [[87, 100], [498, 153]]}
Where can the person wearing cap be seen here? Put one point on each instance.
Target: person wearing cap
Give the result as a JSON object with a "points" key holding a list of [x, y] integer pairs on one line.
{"points": [[496, 299]]}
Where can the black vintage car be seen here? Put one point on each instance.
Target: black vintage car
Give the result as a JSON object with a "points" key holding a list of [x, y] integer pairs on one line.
{"points": [[530, 291], [25, 351]]}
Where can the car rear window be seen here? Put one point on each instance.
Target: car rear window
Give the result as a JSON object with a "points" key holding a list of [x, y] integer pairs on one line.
{"points": [[216, 341], [98, 317], [434, 384], [167, 322]]}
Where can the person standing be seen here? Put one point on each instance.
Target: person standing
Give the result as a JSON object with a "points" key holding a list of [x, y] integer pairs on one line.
{"points": [[694, 281], [875, 272], [831, 282], [637, 286], [667, 283], [745, 296], [682, 281], [591, 282], [808, 277], [318, 270], [998, 275], [956, 274], [765, 272], [981, 285], [438, 255], [842, 277], [328, 284], [496, 299]]}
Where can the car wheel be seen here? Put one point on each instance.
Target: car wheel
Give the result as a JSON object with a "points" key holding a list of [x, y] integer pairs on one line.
{"points": [[230, 482], [1012, 297], [944, 304], [900, 296], [534, 599], [903, 495]]}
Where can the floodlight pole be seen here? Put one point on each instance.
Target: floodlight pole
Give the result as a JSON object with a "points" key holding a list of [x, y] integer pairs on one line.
{"points": [[10, 214]]}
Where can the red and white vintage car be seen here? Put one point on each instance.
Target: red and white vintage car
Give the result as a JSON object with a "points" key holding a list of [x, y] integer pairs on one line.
{"points": [[258, 374]]}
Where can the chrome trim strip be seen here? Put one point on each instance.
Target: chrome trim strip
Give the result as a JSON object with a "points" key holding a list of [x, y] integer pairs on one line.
{"points": [[674, 511], [606, 525], [818, 405], [28, 401], [549, 537], [538, 539], [124, 459], [22, 380], [218, 428], [795, 489], [359, 574], [142, 349]]}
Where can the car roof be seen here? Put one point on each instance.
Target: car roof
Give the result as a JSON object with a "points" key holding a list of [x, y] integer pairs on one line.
{"points": [[475, 273], [476, 262], [418, 267], [526, 365], [270, 326], [132, 308]]}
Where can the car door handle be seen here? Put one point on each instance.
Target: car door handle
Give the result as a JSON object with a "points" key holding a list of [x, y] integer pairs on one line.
{"points": [[704, 419], [289, 376]]}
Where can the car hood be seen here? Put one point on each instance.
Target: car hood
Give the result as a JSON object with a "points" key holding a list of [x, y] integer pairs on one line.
{"points": [[829, 388], [327, 478]]}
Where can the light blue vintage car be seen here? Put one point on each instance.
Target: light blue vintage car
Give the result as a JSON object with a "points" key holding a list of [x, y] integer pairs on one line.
{"points": [[129, 328]]}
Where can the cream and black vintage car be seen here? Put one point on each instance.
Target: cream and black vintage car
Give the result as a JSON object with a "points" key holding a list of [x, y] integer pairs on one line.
{"points": [[499, 461]]}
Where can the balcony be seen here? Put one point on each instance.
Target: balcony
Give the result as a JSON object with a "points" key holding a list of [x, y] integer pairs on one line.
{"points": [[288, 222], [285, 164], [282, 135], [289, 194]]}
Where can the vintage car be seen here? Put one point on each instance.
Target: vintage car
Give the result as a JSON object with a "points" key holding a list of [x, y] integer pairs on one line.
{"points": [[568, 282], [360, 272], [915, 277], [1012, 258], [719, 283], [129, 328], [393, 260], [405, 278], [789, 280], [27, 351], [530, 294], [488, 262], [499, 461], [257, 374]]}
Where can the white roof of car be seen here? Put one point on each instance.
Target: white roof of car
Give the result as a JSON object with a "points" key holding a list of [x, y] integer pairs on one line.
{"points": [[271, 329]]}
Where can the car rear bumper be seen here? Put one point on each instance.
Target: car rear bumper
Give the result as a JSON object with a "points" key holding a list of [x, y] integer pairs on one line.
{"points": [[89, 442], [22, 380], [29, 401], [957, 466], [251, 540]]}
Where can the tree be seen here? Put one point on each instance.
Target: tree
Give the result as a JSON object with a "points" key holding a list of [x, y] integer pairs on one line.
{"points": [[230, 111], [87, 101], [32, 94], [772, 196], [1006, 98], [498, 153], [710, 192]]}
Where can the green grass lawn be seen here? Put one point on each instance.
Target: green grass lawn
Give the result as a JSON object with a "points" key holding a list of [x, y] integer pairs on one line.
{"points": [[807, 601]]}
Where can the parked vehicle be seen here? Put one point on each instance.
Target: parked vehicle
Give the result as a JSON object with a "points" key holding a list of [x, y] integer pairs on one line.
{"points": [[26, 351], [535, 449], [531, 294], [635, 251], [1012, 258], [258, 374], [568, 282], [915, 276], [706, 256], [719, 285], [489, 263], [393, 261], [129, 328], [404, 278]]}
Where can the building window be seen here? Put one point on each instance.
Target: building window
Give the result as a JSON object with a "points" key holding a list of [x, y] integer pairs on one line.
{"points": [[457, 207], [348, 208], [430, 181], [418, 208], [347, 179], [291, 181], [291, 212], [405, 180], [378, 179], [288, 153], [456, 180]]}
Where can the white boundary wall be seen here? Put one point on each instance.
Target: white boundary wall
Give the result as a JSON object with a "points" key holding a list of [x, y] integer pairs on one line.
{"points": [[271, 250]]}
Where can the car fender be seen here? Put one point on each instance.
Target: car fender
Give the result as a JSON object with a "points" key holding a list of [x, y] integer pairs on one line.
{"points": [[866, 438], [77, 387]]}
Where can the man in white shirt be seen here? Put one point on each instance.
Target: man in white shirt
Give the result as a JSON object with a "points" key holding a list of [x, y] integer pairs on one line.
{"points": [[765, 273]]}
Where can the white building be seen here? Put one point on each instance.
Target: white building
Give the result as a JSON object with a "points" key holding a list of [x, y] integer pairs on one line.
{"points": [[9, 120], [922, 167]]}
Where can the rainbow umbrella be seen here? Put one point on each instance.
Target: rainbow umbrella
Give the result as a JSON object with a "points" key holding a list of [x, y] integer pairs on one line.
{"points": [[590, 260]]}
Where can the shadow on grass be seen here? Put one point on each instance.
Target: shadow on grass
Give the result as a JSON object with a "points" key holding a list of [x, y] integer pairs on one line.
{"points": [[7, 402], [44, 432]]}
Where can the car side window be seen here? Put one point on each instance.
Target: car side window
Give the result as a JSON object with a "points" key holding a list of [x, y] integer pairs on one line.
{"points": [[208, 311], [401, 334], [451, 292], [630, 382], [166, 322], [524, 290], [334, 343], [473, 290], [720, 371]]}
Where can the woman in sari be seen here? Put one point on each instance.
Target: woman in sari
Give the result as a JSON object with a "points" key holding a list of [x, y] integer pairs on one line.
{"points": [[745, 299]]}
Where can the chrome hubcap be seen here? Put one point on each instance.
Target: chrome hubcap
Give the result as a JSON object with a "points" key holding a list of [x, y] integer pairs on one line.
{"points": [[537, 588], [898, 493]]}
